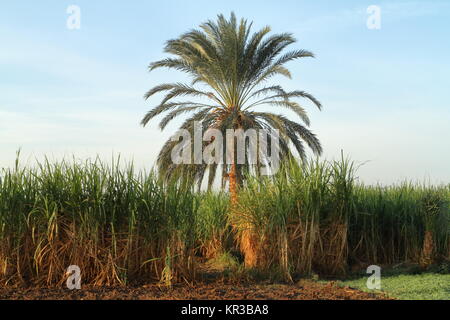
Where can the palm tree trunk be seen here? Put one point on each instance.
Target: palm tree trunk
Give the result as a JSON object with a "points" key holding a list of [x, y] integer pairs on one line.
{"points": [[246, 234]]}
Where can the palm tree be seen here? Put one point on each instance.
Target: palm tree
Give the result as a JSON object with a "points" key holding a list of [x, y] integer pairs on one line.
{"points": [[230, 68]]}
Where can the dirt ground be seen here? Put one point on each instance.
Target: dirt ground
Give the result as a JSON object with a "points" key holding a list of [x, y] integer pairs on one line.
{"points": [[304, 290]]}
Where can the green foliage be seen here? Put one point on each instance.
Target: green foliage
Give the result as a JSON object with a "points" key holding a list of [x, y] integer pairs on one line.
{"points": [[120, 225], [315, 216], [61, 212], [212, 215], [390, 222], [425, 286], [231, 68]]}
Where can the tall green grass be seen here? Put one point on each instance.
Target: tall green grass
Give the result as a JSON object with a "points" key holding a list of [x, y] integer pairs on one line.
{"points": [[390, 223], [116, 224], [316, 217], [122, 225], [213, 228]]}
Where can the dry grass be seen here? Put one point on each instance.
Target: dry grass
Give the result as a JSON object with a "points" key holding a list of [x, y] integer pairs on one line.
{"points": [[121, 226]]}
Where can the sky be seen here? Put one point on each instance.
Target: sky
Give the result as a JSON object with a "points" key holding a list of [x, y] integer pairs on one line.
{"points": [[79, 92]]}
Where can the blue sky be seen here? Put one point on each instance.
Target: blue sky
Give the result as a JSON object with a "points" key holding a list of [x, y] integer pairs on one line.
{"points": [[80, 92]]}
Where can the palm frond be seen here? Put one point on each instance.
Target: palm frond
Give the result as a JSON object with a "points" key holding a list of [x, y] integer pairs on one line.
{"points": [[230, 68]]}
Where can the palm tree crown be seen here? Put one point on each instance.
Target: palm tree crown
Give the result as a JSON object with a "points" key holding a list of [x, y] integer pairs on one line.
{"points": [[230, 68]]}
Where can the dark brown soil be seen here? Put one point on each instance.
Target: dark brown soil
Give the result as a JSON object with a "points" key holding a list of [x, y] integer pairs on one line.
{"points": [[304, 290]]}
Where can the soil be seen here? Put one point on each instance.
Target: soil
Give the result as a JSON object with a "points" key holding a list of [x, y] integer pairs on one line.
{"points": [[304, 290]]}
